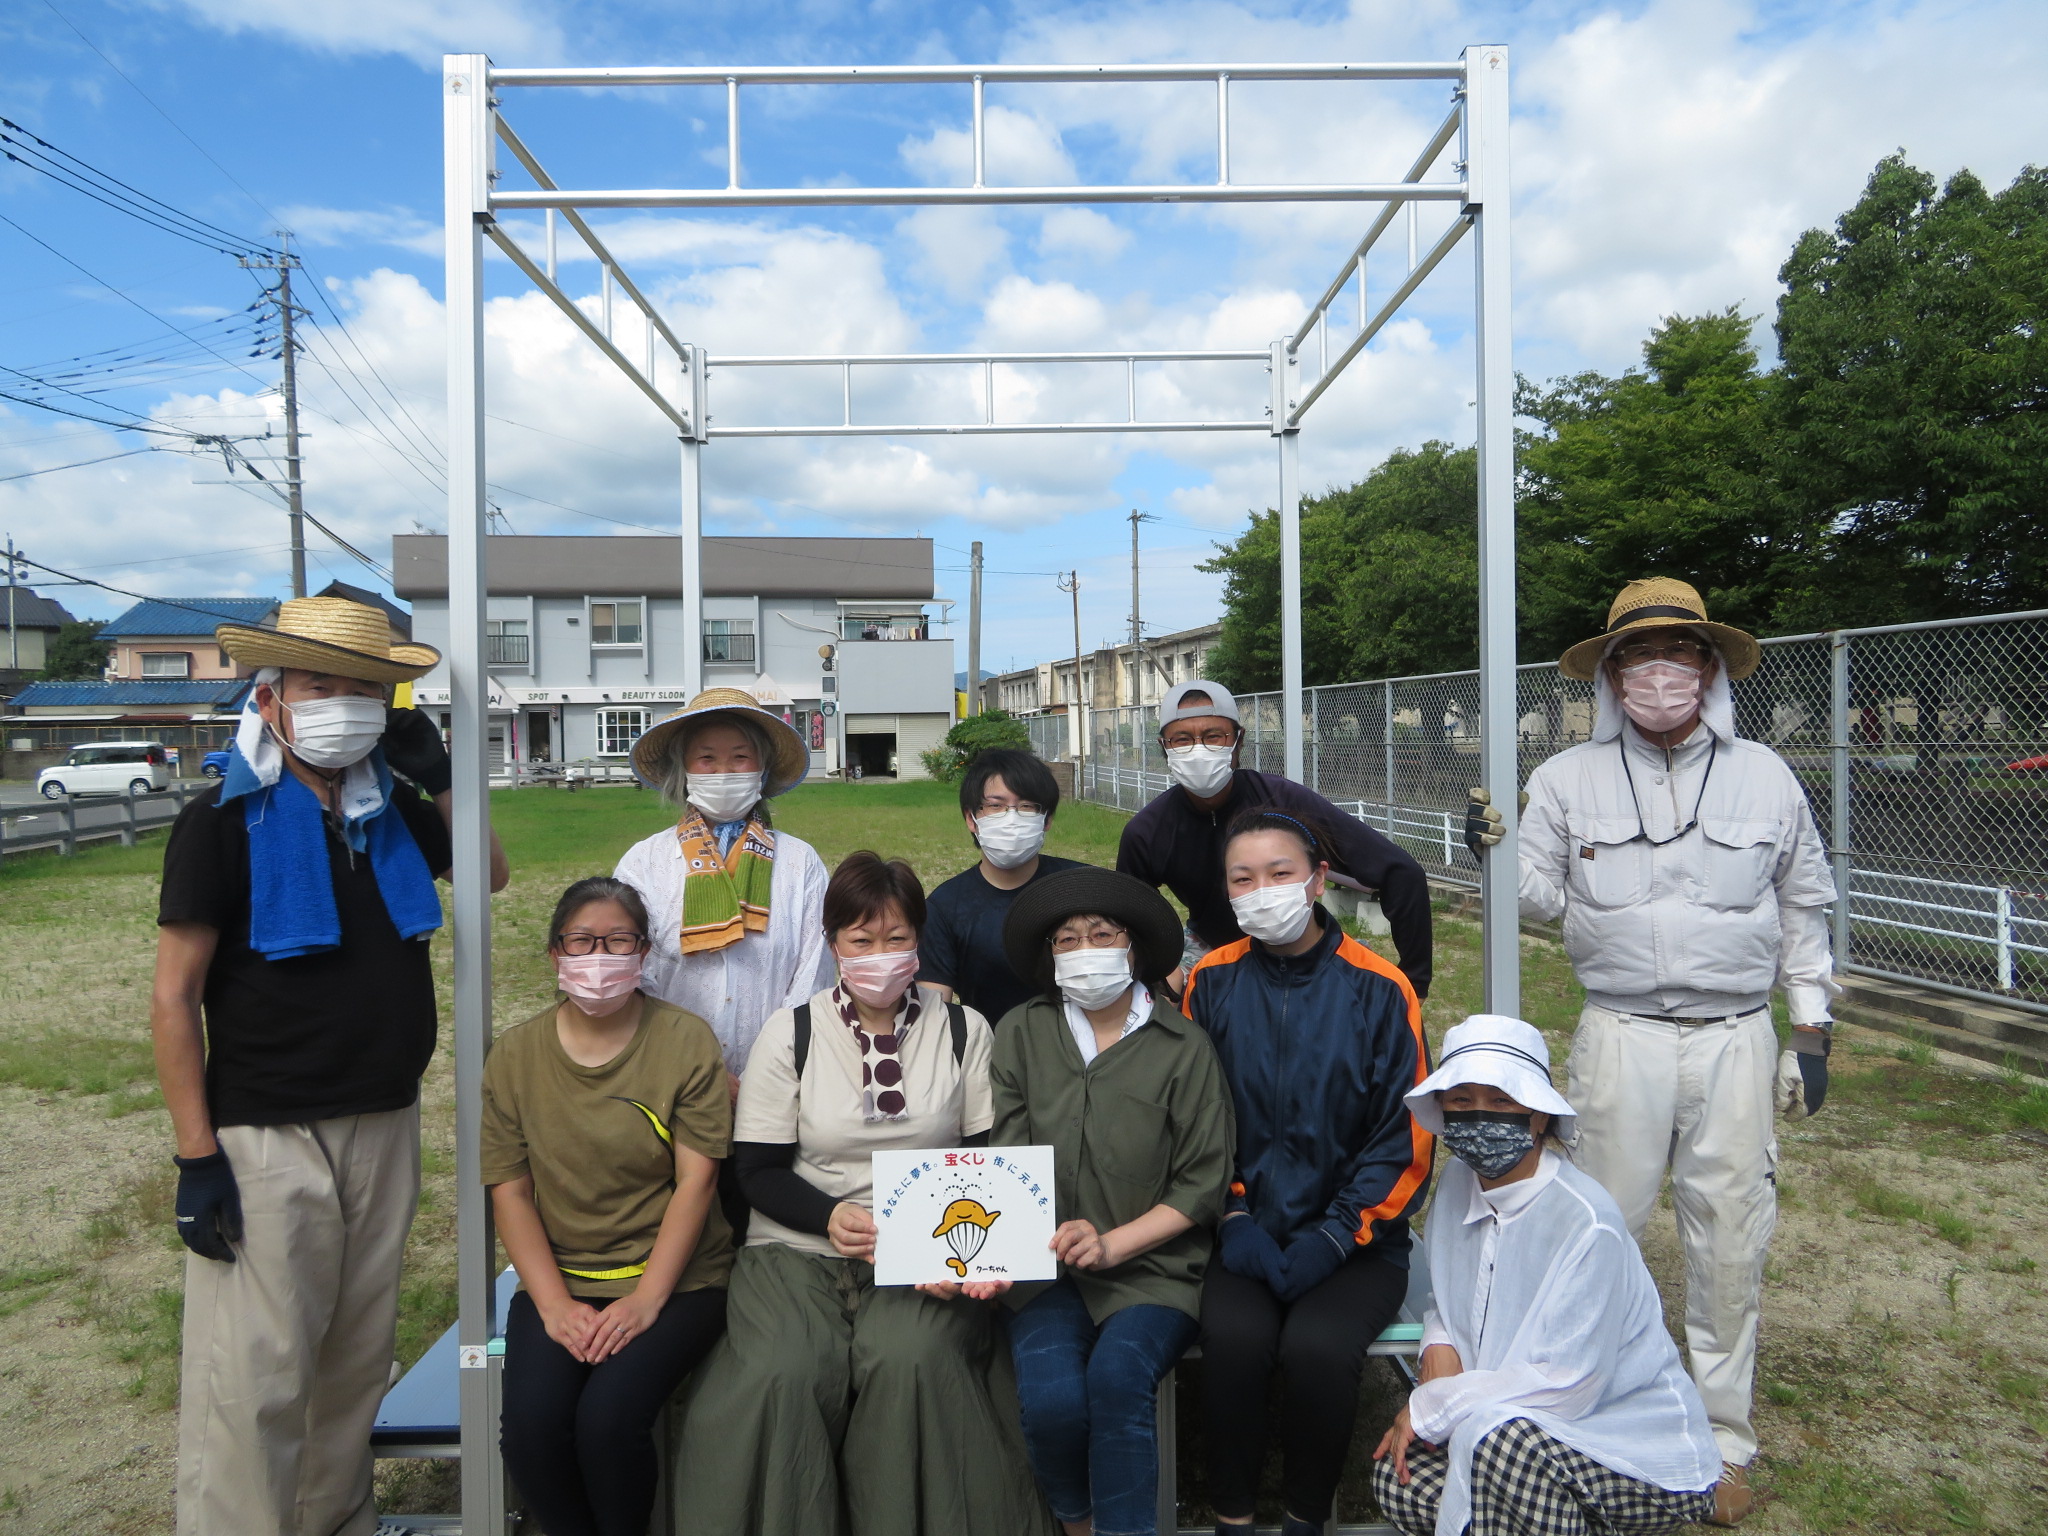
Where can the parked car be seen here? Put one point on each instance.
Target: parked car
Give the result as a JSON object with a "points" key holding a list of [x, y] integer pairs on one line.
{"points": [[108, 768], [214, 765]]}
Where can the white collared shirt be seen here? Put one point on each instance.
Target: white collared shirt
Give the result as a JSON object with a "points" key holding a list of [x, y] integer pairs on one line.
{"points": [[1084, 1031]]}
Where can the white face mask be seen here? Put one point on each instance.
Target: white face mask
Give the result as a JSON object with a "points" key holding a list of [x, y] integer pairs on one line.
{"points": [[725, 796], [1200, 770], [1273, 914], [1092, 978], [335, 733], [1010, 838]]}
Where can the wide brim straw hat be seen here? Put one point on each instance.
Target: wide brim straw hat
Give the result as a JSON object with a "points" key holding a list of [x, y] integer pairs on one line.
{"points": [[1044, 904], [789, 760], [331, 635], [1502, 1053], [1661, 602]]}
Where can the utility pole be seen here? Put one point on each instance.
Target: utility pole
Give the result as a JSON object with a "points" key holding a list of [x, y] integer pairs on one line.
{"points": [[1137, 624], [974, 636], [282, 264], [1071, 583], [13, 641]]}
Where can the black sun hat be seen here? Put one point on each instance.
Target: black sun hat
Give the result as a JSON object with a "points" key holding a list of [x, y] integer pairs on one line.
{"points": [[1044, 904]]}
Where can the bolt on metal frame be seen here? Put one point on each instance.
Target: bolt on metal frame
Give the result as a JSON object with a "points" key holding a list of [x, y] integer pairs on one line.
{"points": [[675, 375]]}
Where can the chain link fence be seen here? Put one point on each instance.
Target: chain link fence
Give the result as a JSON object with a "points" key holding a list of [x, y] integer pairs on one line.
{"points": [[1923, 749]]}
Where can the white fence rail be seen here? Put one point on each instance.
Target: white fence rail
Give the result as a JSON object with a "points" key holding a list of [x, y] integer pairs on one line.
{"points": [[65, 823]]}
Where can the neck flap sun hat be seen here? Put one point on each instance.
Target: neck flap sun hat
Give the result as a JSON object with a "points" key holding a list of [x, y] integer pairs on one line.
{"points": [[1502, 1053], [789, 760], [1661, 602], [330, 635]]}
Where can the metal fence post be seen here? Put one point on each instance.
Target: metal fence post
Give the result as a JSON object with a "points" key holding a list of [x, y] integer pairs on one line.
{"points": [[1839, 790], [130, 824], [1387, 746], [68, 813], [2005, 977], [1315, 739]]}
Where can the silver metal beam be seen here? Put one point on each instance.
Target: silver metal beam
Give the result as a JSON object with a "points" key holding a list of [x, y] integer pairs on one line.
{"points": [[1486, 162], [1387, 310], [466, 167], [811, 360], [966, 74], [1286, 367], [992, 429], [890, 197]]}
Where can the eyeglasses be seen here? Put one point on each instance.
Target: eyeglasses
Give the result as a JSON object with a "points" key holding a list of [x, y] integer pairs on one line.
{"points": [[1689, 653], [990, 808], [1106, 936], [1180, 741], [591, 943]]}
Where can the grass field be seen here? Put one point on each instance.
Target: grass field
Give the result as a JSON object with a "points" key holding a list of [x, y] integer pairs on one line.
{"points": [[1904, 1372]]}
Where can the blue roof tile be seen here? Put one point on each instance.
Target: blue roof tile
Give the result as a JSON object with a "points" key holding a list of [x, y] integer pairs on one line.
{"points": [[163, 618], [156, 692]]}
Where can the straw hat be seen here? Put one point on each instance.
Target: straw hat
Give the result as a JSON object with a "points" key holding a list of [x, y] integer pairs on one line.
{"points": [[790, 759], [332, 635], [1046, 903], [1502, 1053], [1662, 603]]}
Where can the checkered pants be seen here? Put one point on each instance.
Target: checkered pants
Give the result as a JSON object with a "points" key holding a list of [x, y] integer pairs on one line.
{"points": [[1524, 1483]]}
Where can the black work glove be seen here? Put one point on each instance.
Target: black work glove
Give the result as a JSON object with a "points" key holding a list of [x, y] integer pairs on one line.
{"points": [[1802, 1080], [1813, 1070], [1307, 1262], [1247, 1249], [412, 746], [209, 1206], [1483, 824]]}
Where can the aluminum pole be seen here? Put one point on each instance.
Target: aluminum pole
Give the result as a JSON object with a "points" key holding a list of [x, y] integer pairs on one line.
{"points": [[1485, 142], [1839, 788], [1286, 372], [466, 168], [974, 705], [693, 568]]}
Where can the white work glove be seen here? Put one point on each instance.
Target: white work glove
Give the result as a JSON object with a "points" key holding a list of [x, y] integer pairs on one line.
{"points": [[1801, 1085], [1483, 824]]}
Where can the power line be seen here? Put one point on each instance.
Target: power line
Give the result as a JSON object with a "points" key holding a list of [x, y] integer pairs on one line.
{"points": [[111, 192], [81, 464], [140, 597]]}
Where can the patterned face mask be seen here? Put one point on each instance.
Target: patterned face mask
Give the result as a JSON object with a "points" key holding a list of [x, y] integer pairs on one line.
{"points": [[1489, 1143]]}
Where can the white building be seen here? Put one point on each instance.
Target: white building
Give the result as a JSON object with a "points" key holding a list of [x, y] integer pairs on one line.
{"points": [[586, 648], [1111, 678]]}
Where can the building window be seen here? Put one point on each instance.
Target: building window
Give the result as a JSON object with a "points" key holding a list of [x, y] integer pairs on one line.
{"points": [[505, 642], [615, 623], [166, 663], [618, 729], [884, 626], [729, 640], [227, 662]]}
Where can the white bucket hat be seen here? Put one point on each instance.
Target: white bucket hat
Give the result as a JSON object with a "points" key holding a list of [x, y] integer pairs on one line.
{"points": [[1502, 1053]]}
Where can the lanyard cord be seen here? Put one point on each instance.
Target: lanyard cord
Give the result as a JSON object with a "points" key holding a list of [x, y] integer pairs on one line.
{"points": [[1642, 831]]}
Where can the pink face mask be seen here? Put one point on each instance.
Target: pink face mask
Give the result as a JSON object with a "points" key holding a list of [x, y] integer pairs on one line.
{"points": [[1660, 695], [878, 980], [600, 983]]}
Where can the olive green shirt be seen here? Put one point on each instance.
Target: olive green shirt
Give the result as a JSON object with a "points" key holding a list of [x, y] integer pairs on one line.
{"points": [[1146, 1123], [600, 1143]]}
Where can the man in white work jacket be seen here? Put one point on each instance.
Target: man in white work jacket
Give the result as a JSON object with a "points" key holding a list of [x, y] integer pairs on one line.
{"points": [[1685, 863]]}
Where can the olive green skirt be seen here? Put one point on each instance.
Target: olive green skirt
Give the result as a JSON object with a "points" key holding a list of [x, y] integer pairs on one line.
{"points": [[834, 1407]]}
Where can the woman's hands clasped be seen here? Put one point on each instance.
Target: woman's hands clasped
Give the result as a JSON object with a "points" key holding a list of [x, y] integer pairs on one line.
{"points": [[593, 1336], [852, 1231]]}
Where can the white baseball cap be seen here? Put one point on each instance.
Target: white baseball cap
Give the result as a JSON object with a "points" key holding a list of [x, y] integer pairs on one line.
{"points": [[1502, 1053], [1220, 702]]}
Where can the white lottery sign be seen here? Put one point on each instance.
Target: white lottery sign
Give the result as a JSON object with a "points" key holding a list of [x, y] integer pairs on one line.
{"points": [[978, 1213]]}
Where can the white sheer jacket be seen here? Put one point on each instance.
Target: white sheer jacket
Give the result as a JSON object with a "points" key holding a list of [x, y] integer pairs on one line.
{"points": [[1543, 1294]]}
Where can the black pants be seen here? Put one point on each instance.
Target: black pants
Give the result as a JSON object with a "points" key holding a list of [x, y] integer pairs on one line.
{"points": [[1319, 1343], [578, 1438]]}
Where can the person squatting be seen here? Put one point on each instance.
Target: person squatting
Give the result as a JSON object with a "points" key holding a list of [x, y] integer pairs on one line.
{"points": [[1242, 1107]]}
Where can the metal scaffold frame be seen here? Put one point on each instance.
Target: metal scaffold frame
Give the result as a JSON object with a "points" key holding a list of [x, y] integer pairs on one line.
{"points": [[675, 375]]}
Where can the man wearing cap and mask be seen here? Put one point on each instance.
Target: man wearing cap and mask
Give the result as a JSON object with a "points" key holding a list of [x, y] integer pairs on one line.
{"points": [[1177, 840], [1691, 879], [293, 1015]]}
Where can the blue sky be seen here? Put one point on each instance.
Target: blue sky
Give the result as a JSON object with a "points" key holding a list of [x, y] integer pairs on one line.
{"points": [[1665, 157]]}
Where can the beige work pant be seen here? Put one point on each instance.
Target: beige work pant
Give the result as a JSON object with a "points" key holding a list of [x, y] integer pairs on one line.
{"points": [[288, 1350], [1694, 1099]]}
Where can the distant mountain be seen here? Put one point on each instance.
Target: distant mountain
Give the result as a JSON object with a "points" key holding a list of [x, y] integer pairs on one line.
{"points": [[960, 679]]}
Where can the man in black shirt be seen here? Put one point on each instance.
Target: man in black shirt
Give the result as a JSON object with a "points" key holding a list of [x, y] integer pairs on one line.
{"points": [[293, 1013], [1177, 840], [1007, 799]]}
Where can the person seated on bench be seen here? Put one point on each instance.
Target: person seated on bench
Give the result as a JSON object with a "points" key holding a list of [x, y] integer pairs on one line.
{"points": [[1319, 1038], [1552, 1402], [604, 1120], [834, 1404], [1129, 1094]]}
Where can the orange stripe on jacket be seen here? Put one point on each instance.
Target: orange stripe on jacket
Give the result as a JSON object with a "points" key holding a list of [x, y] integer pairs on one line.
{"points": [[1421, 1143], [1224, 956]]}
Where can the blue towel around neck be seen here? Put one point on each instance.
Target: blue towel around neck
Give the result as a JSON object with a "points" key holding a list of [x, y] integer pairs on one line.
{"points": [[291, 884]]}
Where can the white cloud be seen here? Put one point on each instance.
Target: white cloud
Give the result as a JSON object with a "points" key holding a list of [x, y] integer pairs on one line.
{"points": [[1019, 149], [420, 29], [1083, 233], [958, 246], [398, 227]]}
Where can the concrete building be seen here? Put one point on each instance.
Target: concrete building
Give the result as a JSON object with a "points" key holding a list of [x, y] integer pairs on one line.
{"points": [[162, 641], [1113, 677], [585, 644], [32, 622]]}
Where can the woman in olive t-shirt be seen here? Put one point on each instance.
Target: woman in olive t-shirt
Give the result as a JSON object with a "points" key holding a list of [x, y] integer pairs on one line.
{"points": [[604, 1120]]}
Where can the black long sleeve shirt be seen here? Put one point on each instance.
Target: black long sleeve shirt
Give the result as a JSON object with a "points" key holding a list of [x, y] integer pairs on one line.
{"points": [[1175, 843]]}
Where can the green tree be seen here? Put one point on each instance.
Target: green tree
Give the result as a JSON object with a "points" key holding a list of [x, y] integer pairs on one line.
{"points": [[1672, 470], [1915, 399], [977, 733], [76, 654]]}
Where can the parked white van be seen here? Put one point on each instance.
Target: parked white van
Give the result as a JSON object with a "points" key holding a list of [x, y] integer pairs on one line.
{"points": [[108, 768]]}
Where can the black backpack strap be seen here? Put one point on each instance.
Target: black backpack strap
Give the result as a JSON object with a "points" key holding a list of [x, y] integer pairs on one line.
{"points": [[957, 1017], [803, 1038]]}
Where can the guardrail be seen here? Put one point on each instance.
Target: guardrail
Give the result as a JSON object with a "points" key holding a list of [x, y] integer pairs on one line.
{"points": [[562, 775], [64, 824]]}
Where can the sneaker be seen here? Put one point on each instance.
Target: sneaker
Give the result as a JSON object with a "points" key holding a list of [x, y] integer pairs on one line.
{"points": [[1732, 1496]]}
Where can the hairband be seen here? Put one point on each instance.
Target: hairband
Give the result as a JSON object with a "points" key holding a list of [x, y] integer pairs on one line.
{"points": [[1313, 845], [1494, 1045]]}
